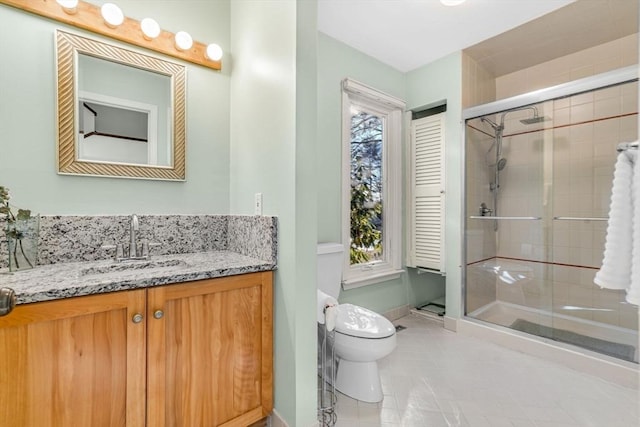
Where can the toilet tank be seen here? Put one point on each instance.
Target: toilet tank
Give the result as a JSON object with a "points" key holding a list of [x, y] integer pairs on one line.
{"points": [[329, 272]]}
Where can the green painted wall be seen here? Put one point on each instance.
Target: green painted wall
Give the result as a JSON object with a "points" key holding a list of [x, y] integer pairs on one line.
{"points": [[306, 211], [28, 120], [336, 61], [272, 129], [273, 122]]}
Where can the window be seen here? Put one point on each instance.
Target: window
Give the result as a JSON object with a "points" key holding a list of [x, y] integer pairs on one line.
{"points": [[371, 188]]}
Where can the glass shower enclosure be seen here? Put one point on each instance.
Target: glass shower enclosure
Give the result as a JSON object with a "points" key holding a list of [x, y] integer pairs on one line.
{"points": [[538, 177]]}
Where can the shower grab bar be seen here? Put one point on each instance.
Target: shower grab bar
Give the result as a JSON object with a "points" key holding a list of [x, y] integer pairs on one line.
{"points": [[531, 218], [575, 218]]}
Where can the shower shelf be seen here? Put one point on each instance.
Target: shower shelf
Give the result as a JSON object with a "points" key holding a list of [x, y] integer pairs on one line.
{"points": [[575, 218], [530, 218]]}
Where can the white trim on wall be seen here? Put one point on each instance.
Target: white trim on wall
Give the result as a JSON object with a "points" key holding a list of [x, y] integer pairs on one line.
{"points": [[391, 110]]}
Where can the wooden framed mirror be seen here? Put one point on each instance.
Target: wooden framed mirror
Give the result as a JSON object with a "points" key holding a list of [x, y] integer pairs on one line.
{"points": [[120, 113]]}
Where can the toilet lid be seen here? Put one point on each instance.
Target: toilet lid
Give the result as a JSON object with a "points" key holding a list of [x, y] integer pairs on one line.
{"points": [[360, 322]]}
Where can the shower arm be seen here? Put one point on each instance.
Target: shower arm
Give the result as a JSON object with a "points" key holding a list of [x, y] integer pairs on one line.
{"points": [[498, 129], [536, 114]]}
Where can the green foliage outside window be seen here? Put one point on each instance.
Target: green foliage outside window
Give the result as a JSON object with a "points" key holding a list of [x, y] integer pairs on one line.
{"points": [[366, 188]]}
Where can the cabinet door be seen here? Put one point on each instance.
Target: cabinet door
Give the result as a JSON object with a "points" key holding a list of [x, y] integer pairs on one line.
{"points": [[74, 362], [210, 352]]}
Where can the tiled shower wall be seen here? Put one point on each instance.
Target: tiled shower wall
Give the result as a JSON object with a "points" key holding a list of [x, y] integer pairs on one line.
{"points": [[479, 86], [599, 59]]}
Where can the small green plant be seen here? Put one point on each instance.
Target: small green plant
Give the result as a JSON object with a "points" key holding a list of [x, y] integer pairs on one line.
{"points": [[13, 232]]}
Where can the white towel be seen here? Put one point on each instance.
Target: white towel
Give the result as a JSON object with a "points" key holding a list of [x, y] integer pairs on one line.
{"points": [[624, 219], [633, 291]]}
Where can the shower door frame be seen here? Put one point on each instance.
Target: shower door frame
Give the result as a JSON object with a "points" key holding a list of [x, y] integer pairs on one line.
{"points": [[599, 81]]}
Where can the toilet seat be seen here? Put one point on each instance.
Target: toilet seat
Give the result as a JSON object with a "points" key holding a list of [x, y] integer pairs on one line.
{"points": [[360, 322]]}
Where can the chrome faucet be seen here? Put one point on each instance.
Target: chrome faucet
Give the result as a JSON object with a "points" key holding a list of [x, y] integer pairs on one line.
{"points": [[135, 253], [133, 241]]}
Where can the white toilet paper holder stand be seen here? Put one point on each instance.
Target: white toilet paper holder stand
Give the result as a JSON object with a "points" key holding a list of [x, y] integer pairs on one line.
{"points": [[326, 377]]}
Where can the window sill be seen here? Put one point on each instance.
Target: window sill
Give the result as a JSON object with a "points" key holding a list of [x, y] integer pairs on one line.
{"points": [[370, 279]]}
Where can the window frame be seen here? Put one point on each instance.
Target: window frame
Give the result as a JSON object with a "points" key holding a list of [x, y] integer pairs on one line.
{"points": [[390, 109]]}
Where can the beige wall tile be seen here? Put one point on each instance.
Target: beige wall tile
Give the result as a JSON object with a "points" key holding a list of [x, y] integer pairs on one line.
{"points": [[598, 59]]}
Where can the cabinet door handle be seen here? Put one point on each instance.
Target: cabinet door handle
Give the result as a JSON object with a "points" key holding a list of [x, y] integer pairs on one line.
{"points": [[7, 301], [158, 314], [137, 318]]}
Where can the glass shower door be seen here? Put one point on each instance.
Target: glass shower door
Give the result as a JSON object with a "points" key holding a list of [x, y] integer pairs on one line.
{"points": [[538, 190], [587, 129], [506, 226]]}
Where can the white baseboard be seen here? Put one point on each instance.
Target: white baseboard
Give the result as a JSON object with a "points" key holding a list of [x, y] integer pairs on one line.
{"points": [[451, 323], [397, 313], [275, 420]]}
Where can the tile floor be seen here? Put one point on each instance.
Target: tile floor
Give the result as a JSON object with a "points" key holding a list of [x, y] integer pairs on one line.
{"points": [[439, 378]]}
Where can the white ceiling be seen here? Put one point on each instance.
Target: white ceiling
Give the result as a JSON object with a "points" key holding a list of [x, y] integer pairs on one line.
{"points": [[407, 34]]}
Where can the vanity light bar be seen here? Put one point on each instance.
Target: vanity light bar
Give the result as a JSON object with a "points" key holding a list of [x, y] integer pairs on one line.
{"points": [[89, 17]]}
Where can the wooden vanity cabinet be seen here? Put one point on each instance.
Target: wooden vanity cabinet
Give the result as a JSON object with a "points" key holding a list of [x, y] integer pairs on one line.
{"points": [[210, 352], [74, 362], [201, 355]]}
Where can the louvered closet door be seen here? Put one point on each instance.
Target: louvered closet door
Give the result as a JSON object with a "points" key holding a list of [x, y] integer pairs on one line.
{"points": [[427, 195]]}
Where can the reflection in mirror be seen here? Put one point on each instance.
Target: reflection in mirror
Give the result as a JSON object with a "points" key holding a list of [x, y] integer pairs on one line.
{"points": [[111, 133], [121, 108], [120, 113]]}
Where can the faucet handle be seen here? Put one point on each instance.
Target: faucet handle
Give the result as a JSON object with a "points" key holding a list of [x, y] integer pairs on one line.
{"points": [[119, 250], [146, 245]]}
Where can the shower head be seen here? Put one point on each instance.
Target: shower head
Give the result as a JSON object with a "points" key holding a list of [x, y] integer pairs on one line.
{"points": [[498, 125], [500, 164], [535, 119]]}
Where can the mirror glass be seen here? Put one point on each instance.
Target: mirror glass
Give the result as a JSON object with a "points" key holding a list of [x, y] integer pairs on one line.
{"points": [[120, 110], [120, 113]]}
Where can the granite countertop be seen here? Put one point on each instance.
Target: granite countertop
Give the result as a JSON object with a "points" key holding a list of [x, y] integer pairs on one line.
{"points": [[64, 280]]}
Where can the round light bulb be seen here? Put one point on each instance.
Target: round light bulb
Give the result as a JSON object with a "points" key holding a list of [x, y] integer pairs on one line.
{"points": [[112, 15], [69, 6], [214, 52], [150, 28], [183, 40]]}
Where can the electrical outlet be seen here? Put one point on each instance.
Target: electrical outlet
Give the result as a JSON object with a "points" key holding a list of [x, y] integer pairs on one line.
{"points": [[257, 206]]}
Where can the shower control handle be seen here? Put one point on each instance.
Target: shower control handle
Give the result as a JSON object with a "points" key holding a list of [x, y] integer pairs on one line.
{"points": [[484, 210]]}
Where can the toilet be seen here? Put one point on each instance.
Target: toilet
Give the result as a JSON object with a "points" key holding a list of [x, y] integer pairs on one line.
{"points": [[362, 337]]}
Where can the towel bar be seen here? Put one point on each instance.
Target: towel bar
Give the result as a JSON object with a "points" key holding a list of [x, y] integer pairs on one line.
{"points": [[531, 218], [575, 218]]}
